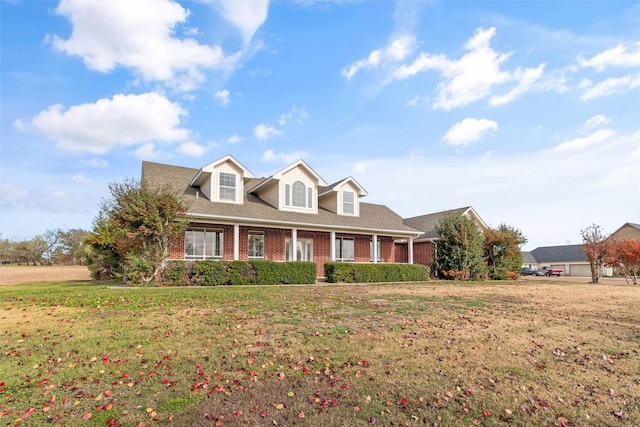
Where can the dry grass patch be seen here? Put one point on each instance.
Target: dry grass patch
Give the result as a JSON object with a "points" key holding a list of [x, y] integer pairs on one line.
{"points": [[521, 354]]}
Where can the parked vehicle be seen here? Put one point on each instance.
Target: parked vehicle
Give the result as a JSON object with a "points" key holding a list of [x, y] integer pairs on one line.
{"points": [[548, 271], [528, 271]]}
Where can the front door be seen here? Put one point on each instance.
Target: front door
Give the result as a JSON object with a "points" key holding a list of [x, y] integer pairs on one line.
{"points": [[304, 250]]}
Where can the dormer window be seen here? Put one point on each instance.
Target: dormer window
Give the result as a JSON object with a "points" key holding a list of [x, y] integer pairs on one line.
{"points": [[227, 187], [298, 195], [348, 203]]}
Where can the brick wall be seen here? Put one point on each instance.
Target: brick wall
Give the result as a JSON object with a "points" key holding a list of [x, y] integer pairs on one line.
{"points": [[274, 245], [423, 253]]}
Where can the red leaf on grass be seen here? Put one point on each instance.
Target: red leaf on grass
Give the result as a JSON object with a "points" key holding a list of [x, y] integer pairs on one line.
{"points": [[28, 413]]}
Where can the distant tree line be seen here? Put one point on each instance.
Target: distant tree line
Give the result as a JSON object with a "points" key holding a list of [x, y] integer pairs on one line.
{"points": [[53, 247]]}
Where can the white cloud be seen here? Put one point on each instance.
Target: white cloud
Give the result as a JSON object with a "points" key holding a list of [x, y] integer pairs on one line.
{"points": [[474, 76], [222, 96], [12, 194], [264, 132], [234, 139], [468, 131], [610, 86], [526, 80], [138, 35], [192, 149], [80, 178], [297, 114], [147, 151], [396, 51], [122, 120], [597, 121], [95, 163], [618, 56], [271, 156], [246, 15], [578, 144]]}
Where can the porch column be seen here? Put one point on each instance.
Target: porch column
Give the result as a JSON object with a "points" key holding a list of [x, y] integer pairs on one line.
{"points": [[236, 242], [294, 244], [375, 248], [333, 246], [410, 250]]}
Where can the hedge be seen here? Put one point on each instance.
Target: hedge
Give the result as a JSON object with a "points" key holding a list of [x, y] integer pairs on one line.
{"points": [[362, 273], [257, 272]]}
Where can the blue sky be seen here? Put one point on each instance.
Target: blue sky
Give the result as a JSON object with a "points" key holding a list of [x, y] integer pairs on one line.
{"points": [[529, 111]]}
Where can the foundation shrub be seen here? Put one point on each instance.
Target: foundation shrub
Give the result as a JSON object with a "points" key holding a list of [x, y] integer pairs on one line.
{"points": [[222, 273], [366, 273]]}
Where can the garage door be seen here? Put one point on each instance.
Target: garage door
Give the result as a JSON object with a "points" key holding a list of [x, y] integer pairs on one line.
{"points": [[580, 270]]}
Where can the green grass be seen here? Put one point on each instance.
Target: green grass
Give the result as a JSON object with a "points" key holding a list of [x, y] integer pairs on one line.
{"points": [[393, 354]]}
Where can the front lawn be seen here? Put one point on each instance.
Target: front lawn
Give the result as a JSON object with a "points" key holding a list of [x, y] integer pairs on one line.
{"points": [[438, 353]]}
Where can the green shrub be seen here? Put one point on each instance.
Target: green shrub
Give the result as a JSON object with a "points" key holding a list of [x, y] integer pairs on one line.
{"points": [[177, 273], [217, 273], [366, 273], [138, 269]]}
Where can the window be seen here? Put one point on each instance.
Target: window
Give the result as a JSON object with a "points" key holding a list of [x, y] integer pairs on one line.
{"points": [[299, 195], [203, 244], [227, 186], [348, 203], [371, 250], [256, 245], [304, 250], [345, 249]]}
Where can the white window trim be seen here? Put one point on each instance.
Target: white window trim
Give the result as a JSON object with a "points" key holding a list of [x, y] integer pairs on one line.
{"points": [[204, 255], [341, 257], [249, 256], [353, 203], [235, 188], [309, 194]]}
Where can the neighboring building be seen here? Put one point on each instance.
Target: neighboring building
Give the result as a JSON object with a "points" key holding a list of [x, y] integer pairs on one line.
{"points": [[425, 246], [571, 259], [528, 260], [291, 215], [627, 231]]}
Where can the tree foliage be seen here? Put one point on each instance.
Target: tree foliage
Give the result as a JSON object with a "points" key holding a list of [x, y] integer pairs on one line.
{"points": [[132, 232], [597, 248], [624, 256], [459, 250], [502, 252]]}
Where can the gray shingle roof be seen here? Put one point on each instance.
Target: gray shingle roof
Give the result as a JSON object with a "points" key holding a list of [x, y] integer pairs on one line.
{"points": [[427, 223], [373, 217], [528, 258], [566, 253]]}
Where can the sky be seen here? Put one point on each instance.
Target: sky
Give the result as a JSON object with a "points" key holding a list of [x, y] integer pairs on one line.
{"points": [[528, 111]]}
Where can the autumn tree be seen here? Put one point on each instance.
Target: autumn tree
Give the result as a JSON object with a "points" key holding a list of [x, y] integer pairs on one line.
{"points": [[132, 232], [624, 256], [597, 248], [502, 252], [459, 250]]}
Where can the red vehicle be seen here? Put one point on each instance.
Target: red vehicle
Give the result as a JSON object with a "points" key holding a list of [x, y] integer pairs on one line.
{"points": [[548, 271]]}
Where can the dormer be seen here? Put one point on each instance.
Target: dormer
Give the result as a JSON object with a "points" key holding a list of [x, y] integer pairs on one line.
{"points": [[294, 188], [223, 180], [343, 197]]}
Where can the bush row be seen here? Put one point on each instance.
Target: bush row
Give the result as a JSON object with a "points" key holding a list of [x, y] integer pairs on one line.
{"points": [[363, 273], [258, 272]]}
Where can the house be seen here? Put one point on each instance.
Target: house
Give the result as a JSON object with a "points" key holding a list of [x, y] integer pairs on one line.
{"points": [[291, 215], [528, 260], [627, 231], [425, 245], [571, 259]]}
